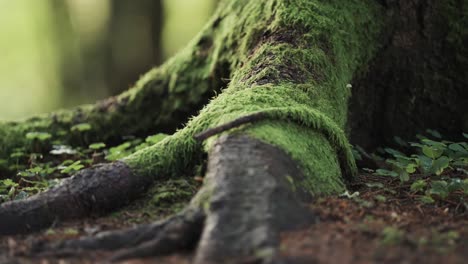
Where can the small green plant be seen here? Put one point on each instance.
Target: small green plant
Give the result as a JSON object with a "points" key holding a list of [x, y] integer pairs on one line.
{"points": [[38, 140], [7, 189], [40, 136], [97, 146], [72, 168], [119, 151], [82, 127], [31, 173], [438, 167]]}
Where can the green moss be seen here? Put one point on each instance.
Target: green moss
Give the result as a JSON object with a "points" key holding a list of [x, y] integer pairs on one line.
{"points": [[289, 59], [293, 62], [172, 194], [322, 168], [160, 101]]}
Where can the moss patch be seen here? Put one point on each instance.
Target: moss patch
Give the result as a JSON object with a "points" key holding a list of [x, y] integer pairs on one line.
{"points": [[335, 40]]}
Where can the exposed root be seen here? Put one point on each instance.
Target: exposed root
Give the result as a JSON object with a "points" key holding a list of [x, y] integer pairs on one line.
{"points": [[237, 216], [251, 200], [97, 190], [178, 234]]}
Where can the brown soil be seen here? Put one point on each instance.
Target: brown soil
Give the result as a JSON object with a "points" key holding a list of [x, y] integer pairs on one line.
{"points": [[380, 225]]}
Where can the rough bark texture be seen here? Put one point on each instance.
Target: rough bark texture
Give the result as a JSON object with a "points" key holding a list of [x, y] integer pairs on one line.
{"points": [[418, 78], [248, 198], [249, 190], [93, 191]]}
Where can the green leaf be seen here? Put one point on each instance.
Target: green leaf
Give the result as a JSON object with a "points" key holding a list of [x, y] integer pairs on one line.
{"points": [[8, 183], [440, 164], [432, 152], [384, 172], [419, 145], [427, 199], [76, 166], [465, 135], [461, 162], [411, 168], [418, 186], [458, 147], [97, 146], [394, 152], [404, 176], [17, 155], [439, 188], [40, 136], [434, 133], [398, 163], [425, 163], [120, 147], [433, 143], [81, 127], [12, 191]]}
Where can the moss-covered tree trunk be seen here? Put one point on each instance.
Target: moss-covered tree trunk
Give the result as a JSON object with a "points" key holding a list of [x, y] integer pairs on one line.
{"points": [[282, 72]]}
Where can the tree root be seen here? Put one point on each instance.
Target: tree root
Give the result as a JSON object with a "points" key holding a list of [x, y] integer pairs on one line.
{"points": [[97, 190], [247, 199], [178, 233]]}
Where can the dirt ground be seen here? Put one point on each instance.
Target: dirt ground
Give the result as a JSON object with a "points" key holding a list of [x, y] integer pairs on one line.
{"points": [[378, 225]]}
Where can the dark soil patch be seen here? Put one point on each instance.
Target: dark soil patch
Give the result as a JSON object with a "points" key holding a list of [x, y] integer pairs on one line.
{"points": [[380, 225]]}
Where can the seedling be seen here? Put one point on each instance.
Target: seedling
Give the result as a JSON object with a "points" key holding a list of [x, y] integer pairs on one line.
{"points": [[435, 160]]}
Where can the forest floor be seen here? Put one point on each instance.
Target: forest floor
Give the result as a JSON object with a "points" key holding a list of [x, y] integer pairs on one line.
{"points": [[370, 224]]}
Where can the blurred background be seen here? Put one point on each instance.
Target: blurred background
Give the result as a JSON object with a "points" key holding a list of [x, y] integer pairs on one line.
{"points": [[61, 53]]}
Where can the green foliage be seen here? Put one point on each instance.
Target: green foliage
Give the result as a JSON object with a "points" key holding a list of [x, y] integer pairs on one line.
{"points": [[81, 127], [129, 147], [172, 194], [7, 189], [72, 168], [97, 146], [38, 172], [442, 164], [40, 136]]}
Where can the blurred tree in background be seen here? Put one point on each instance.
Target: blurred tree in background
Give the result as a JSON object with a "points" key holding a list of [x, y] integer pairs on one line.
{"points": [[60, 53]]}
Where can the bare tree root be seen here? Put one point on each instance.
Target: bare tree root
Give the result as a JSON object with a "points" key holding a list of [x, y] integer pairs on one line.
{"points": [[248, 198], [97, 190], [251, 200], [178, 233]]}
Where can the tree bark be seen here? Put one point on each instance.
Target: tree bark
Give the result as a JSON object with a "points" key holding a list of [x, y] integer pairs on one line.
{"points": [[275, 133], [418, 78]]}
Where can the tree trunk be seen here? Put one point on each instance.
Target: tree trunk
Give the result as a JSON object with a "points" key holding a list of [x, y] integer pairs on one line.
{"points": [[281, 117], [418, 78]]}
